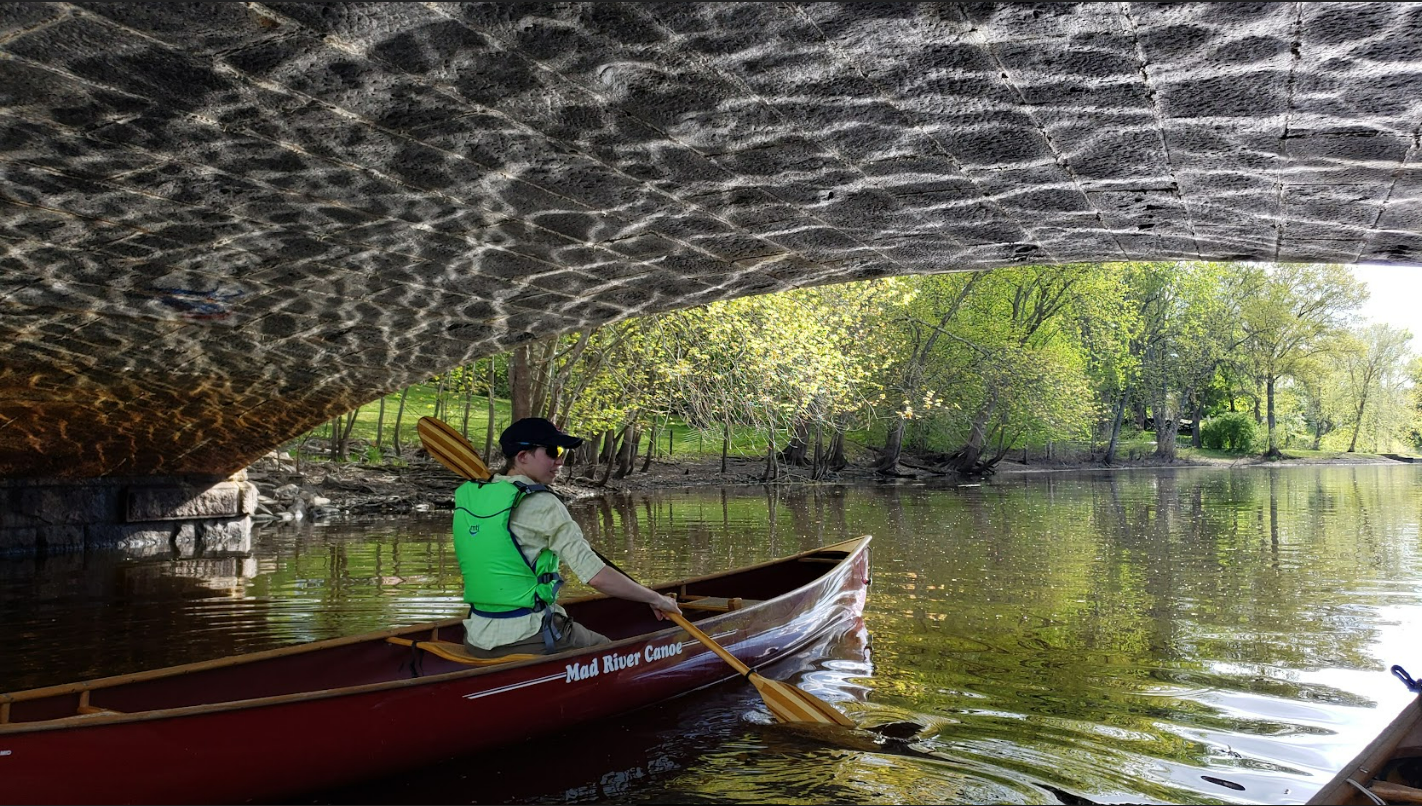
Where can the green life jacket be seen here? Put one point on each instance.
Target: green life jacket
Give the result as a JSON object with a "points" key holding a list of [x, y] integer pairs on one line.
{"points": [[499, 582]]}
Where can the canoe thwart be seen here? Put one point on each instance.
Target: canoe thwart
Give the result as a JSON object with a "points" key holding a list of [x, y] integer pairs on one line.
{"points": [[714, 604], [456, 652]]}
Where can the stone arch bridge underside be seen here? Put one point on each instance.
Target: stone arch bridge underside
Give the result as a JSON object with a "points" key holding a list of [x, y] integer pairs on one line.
{"points": [[224, 223]]}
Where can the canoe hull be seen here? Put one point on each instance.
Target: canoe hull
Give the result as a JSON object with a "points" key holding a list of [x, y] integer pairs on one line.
{"points": [[267, 749]]}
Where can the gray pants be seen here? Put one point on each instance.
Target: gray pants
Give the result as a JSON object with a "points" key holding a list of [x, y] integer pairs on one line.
{"points": [[575, 636]]}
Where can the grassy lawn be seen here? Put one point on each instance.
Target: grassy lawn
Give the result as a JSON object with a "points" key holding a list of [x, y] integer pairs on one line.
{"points": [[683, 442]]}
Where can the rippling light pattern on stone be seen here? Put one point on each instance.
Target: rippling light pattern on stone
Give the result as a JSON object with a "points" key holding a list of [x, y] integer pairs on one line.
{"points": [[226, 222]]}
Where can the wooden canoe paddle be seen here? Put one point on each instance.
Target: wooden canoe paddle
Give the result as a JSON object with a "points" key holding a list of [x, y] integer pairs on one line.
{"points": [[786, 702], [451, 449]]}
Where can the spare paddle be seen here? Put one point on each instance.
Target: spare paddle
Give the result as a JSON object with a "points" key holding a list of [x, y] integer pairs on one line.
{"points": [[451, 449], [786, 702]]}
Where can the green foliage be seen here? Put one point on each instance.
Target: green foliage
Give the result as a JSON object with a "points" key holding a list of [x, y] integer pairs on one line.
{"points": [[992, 361], [1233, 432]]}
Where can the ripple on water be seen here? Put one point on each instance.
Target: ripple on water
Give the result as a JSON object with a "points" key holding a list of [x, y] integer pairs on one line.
{"points": [[1140, 637]]}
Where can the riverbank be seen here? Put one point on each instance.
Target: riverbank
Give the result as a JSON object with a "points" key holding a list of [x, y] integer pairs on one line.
{"points": [[292, 491]]}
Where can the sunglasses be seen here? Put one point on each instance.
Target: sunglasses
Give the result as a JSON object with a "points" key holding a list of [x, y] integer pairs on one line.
{"points": [[553, 451]]}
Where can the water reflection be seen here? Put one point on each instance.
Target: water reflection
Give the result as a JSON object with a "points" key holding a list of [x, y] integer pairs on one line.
{"points": [[1197, 635]]}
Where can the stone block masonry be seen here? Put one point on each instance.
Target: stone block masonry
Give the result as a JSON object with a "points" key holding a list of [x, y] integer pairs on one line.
{"points": [[187, 516], [225, 223]]}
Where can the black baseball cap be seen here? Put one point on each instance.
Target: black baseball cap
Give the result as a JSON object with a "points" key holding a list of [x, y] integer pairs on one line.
{"points": [[531, 431]]}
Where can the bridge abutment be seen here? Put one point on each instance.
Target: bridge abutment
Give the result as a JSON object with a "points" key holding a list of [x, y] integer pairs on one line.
{"points": [[186, 515]]}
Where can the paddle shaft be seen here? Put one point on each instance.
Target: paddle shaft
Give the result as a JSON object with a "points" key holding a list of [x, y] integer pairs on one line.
{"points": [[692, 629], [710, 643]]}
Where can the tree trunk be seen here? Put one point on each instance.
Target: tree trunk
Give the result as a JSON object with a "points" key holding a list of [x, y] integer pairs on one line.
{"points": [[380, 424], [1116, 421], [772, 467], [337, 445], [1273, 452], [817, 467], [592, 449], [1003, 446], [540, 374], [836, 452], [725, 445], [631, 436], [559, 367], [1358, 425], [651, 447], [399, 415], [1197, 439], [519, 383], [555, 400], [346, 434], [893, 447], [468, 400], [966, 459], [798, 446], [440, 404], [609, 446], [610, 450], [489, 427], [1166, 428]]}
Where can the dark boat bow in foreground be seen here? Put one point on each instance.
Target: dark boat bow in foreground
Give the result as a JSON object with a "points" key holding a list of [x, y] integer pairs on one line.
{"points": [[1389, 770], [271, 724]]}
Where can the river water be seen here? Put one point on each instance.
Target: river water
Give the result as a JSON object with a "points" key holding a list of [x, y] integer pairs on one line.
{"points": [[1160, 636]]}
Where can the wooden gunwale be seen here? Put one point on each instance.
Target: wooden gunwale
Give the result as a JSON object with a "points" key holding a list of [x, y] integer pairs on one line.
{"points": [[1377, 753], [854, 545]]}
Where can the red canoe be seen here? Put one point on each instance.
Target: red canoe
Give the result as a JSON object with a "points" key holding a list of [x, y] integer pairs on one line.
{"points": [[301, 718]]}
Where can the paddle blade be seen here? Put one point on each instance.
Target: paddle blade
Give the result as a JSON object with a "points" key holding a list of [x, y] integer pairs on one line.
{"points": [[451, 449], [790, 704]]}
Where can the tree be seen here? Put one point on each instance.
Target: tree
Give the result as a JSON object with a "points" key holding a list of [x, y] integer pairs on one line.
{"points": [[1018, 312], [1189, 325], [1379, 352], [1293, 314], [1319, 384], [1111, 362], [797, 362], [921, 319], [1413, 427]]}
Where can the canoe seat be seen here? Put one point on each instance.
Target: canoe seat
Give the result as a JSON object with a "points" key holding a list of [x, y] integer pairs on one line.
{"points": [[456, 652], [85, 709], [93, 710], [715, 604]]}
